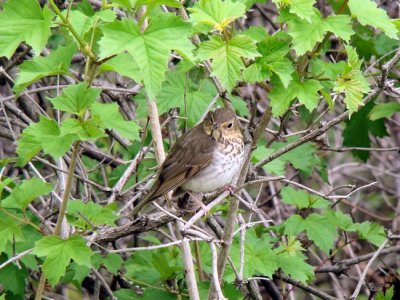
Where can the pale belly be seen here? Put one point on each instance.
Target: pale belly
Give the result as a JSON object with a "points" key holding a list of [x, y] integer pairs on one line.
{"points": [[219, 173]]}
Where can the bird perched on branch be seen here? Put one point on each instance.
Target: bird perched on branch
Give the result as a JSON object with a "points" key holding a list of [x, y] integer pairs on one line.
{"points": [[204, 159]]}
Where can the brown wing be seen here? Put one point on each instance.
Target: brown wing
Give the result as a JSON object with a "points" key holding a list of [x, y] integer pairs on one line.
{"points": [[191, 153]]}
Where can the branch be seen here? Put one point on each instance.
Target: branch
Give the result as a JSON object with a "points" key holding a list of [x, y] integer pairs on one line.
{"points": [[347, 149], [306, 288], [61, 213], [342, 266], [364, 274], [234, 203], [312, 135]]}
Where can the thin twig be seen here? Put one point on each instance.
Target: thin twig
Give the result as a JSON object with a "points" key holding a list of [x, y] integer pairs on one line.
{"points": [[104, 282], [217, 285], [15, 258], [364, 274], [347, 149]]}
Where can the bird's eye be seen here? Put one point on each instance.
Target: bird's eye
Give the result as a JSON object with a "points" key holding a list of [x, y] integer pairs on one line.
{"points": [[230, 125]]}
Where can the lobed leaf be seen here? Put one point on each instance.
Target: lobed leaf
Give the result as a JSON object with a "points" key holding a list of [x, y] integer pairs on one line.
{"points": [[227, 57], [26, 192], [217, 14], [24, 21], [367, 13], [45, 135], [151, 48], [59, 253], [57, 62], [111, 118], [76, 98]]}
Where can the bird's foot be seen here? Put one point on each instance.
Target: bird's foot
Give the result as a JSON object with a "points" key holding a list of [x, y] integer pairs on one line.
{"points": [[229, 187], [198, 202], [204, 208]]}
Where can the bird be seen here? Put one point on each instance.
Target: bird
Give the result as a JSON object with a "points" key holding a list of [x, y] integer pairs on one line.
{"points": [[204, 159]]}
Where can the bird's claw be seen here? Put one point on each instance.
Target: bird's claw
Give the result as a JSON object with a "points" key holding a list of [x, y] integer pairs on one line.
{"points": [[229, 187]]}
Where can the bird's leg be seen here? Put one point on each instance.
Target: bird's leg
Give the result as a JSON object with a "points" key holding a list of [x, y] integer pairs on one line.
{"points": [[198, 199], [229, 187], [168, 199]]}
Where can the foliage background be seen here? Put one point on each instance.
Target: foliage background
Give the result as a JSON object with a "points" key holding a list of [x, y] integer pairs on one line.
{"points": [[92, 92]]}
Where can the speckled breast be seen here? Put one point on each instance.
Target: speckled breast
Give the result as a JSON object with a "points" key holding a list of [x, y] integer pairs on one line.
{"points": [[226, 163]]}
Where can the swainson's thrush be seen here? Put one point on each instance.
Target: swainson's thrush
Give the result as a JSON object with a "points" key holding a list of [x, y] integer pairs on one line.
{"points": [[205, 158]]}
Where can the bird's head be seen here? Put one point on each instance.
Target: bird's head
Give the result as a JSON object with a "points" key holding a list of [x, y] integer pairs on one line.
{"points": [[222, 123]]}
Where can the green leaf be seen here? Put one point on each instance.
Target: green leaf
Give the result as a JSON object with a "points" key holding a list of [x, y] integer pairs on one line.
{"points": [[42, 135], [151, 48], [111, 118], [151, 294], [24, 20], [76, 98], [276, 167], [139, 266], [371, 232], [387, 295], [254, 73], [302, 8], [84, 22], [259, 257], [273, 50], [354, 85], [4, 182], [26, 192], [302, 199], [367, 13], [293, 264], [154, 266], [343, 221], [57, 62], [180, 91], [306, 92], [9, 231], [127, 4], [13, 278], [228, 290], [356, 132], [152, 3], [256, 33], [88, 214], [320, 229], [76, 274], [306, 34], [240, 105], [125, 294], [384, 110], [124, 64], [295, 267], [59, 253], [294, 225], [227, 57], [217, 14], [82, 130], [352, 82], [113, 262], [302, 157]]}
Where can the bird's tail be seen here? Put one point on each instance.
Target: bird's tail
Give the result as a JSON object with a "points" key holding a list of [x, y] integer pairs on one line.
{"points": [[147, 199]]}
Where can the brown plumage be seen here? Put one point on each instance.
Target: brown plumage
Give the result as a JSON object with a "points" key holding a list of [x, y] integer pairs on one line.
{"points": [[194, 154]]}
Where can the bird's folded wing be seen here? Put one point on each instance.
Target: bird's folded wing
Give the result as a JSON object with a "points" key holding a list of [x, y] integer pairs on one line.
{"points": [[189, 156]]}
